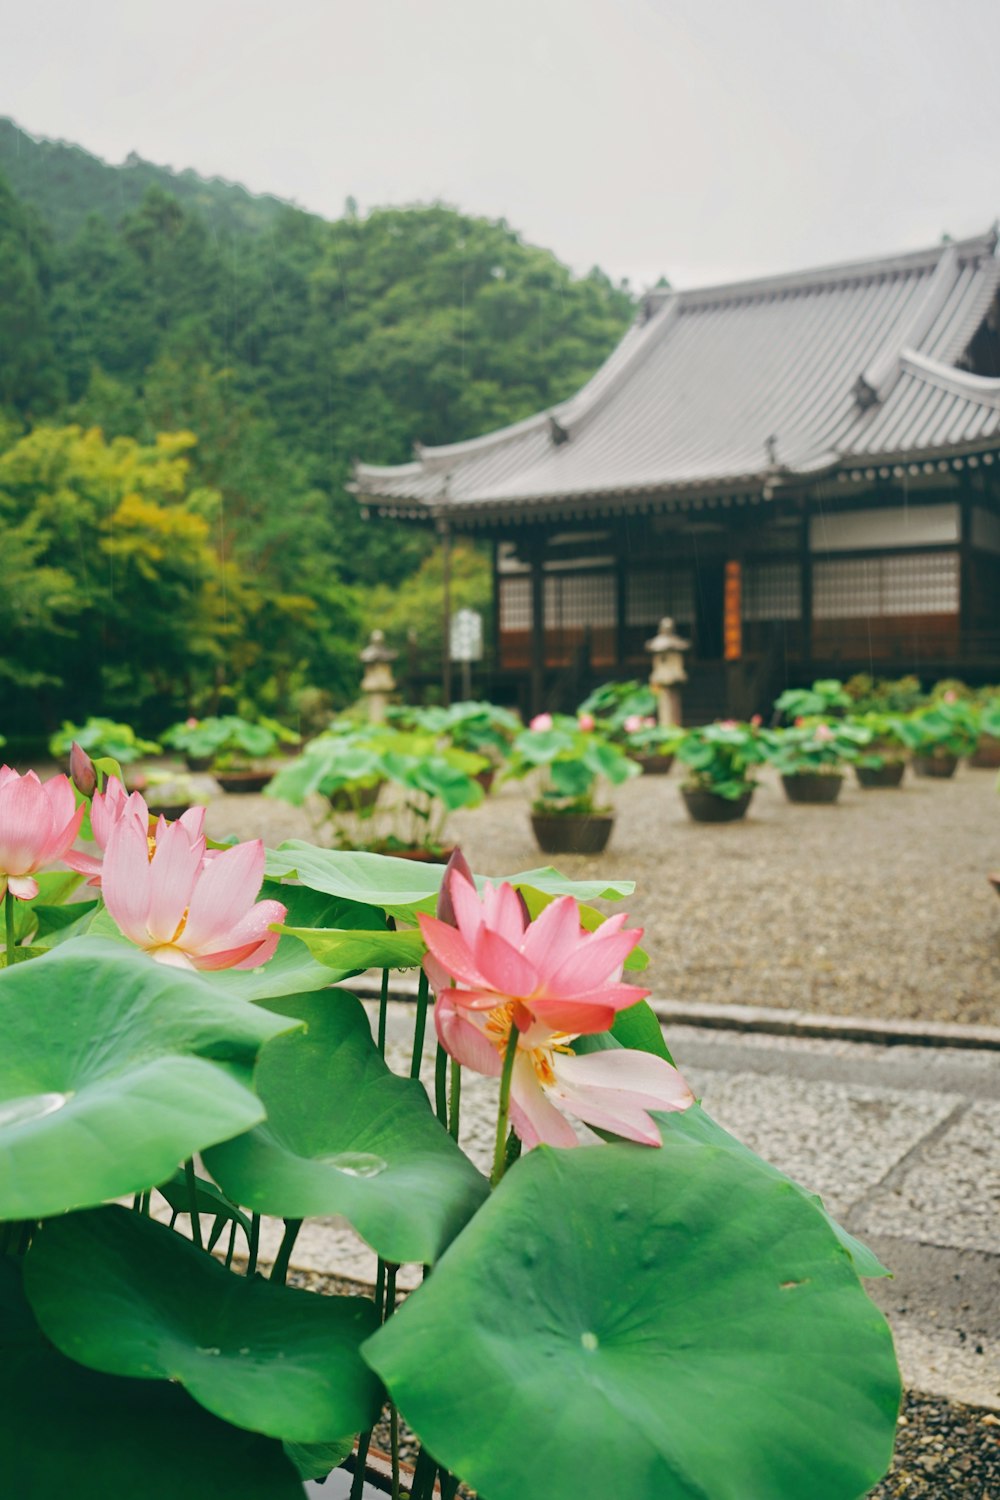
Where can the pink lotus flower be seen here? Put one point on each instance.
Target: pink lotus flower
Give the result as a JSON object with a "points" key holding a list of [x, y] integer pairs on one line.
{"points": [[585, 722], [182, 909], [550, 969], [823, 733], [38, 823], [108, 808], [756, 721], [633, 722], [950, 696], [541, 722], [612, 1090], [727, 724]]}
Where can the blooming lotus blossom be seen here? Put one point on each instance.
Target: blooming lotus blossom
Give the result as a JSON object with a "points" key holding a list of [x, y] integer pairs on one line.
{"points": [[541, 722], [38, 823], [823, 733], [612, 1090], [551, 969], [756, 721], [183, 910], [112, 805], [585, 722]]}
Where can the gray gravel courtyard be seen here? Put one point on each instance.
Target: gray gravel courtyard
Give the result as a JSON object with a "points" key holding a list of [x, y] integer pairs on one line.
{"points": [[876, 906]]}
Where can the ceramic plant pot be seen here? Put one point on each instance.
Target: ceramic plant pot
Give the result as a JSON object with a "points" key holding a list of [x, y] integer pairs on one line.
{"points": [[890, 773], [572, 833], [813, 786], [486, 778], [169, 810], [940, 765], [986, 756], [708, 807], [243, 781], [652, 765]]}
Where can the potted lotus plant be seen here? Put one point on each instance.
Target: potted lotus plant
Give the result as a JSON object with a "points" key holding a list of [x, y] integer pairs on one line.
{"points": [[234, 749], [421, 782], [569, 767], [882, 762], [177, 1074], [940, 735], [810, 757], [481, 728], [103, 738], [826, 698], [721, 761], [986, 756]]}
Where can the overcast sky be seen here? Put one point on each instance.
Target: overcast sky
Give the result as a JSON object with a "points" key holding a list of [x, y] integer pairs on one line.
{"points": [[700, 139]]}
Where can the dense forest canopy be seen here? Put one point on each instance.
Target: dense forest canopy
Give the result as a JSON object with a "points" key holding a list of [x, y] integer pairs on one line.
{"points": [[266, 348]]}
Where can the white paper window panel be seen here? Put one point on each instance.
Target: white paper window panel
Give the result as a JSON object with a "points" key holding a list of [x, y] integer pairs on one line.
{"points": [[896, 526], [650, 596], [580, 599], [772, 591], [985, 530], [515, 603], [851, 588]]}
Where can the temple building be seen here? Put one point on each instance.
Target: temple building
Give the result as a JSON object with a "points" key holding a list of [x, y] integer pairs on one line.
{"points": [[803, 471]]}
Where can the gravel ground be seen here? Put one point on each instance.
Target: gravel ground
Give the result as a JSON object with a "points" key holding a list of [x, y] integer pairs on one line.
{"points": [[944, 1450], [877, 906]]}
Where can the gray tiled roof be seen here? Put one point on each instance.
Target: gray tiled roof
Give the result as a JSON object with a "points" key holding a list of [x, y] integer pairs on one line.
{"points": [[736, 388]]}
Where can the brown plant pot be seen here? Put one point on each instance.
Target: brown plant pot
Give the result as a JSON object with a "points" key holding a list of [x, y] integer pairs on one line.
{"points": [[572, 833], [709, 807], [813, 786], [243, 781], [423, 856], [344, 801], [486, 778], [994, 881], [889, 774], [935, 765], [652, 765], [198, 762], [986, 756], [169, 810]]}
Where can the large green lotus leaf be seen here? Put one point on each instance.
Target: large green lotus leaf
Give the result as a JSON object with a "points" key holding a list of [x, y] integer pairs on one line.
{"points": [[624, 1321], [344, 1135], [113, 1069], [399, 886], [348, 952], [66, 1430], [124, 1295], [695, 1125]]}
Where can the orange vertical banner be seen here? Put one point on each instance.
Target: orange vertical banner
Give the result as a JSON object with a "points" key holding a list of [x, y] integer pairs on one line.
{"points": [[732, 617]]}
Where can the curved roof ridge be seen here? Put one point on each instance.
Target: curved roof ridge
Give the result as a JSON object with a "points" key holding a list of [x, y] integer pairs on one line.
{"points": [[818, 277], [982, 388]]}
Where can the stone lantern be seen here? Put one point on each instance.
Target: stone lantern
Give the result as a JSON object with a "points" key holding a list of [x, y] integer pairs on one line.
{"points": [[378, 683], [667, 649]]}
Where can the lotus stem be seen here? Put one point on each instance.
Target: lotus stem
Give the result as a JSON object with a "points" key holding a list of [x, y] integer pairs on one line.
{"points": [[394, 1448], [8, 912], [424, 1471], [455, 1103], [441, 1085], [360, 1458], [279, 1270], [254, 1244], [192, 1191], [420, 1025], [380, 1288], [232, 1245], [503, 1113]]}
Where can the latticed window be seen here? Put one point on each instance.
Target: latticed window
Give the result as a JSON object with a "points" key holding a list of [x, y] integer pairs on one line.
{"points": [[579, 599], [649, 595], [921, 583], [515, 603], [772, 591]]}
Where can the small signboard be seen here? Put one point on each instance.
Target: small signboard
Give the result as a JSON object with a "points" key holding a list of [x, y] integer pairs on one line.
{"points": [[467, 635], [733, 612]]}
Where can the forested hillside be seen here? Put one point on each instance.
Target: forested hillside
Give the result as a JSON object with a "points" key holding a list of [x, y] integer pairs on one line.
{"points": [[284, 346]]}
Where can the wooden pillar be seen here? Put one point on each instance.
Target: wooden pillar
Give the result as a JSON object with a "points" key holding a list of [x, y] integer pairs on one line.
{"points": [[966, 622], [806, 579], [444, 532], [621, 607], [537, 630]]}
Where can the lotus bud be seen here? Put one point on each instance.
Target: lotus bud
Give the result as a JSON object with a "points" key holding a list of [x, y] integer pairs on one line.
{"points": [[585, 722], [81, 770], [540, 723], [457, 865]]}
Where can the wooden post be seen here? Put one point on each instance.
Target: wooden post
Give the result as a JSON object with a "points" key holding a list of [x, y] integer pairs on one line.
{"points": [[445, 534], [537, 630], [806, 590]]}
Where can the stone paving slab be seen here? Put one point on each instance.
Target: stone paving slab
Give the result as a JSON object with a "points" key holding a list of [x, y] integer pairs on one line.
{"points": [[949, 1193]]}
